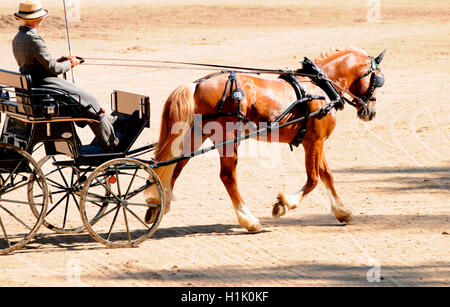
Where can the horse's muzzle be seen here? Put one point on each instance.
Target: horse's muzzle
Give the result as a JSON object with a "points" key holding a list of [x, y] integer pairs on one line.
{"points": [[367, 113]]}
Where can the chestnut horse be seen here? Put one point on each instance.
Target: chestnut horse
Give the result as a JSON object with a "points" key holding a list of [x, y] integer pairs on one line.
{"points": [[351, 69]]}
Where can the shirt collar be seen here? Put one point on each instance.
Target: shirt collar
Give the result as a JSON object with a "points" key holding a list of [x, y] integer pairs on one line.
{"points": [[27, 28]]}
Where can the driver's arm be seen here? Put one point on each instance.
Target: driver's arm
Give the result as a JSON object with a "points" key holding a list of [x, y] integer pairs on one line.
{"points": [[42, 54]]}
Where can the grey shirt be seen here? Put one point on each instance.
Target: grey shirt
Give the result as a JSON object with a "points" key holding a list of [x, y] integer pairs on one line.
{"points": [[33, 56]]}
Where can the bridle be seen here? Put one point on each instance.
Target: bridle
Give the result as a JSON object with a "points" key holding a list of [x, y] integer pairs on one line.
{"points": [[375, 80]]}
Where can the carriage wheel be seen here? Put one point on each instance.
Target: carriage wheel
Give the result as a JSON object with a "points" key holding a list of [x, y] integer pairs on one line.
{"points": [[122, 222], [65, 185], [17, 224]]}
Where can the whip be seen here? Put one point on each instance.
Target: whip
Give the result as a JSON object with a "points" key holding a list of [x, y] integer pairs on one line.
{"points": [[68, 38]]}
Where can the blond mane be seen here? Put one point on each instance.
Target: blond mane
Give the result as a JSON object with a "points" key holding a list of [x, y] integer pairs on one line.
{"points": [[333, 51]]}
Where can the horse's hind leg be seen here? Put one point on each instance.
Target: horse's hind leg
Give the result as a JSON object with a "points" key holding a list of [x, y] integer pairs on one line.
{"points": [[228, 177], [228, 164], [313, 156], [194, 139], [342, 214], [195, 145]]}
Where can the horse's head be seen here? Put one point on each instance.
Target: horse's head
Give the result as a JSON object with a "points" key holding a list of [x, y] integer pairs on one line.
{"points": [[356, 73], [365, 86]]}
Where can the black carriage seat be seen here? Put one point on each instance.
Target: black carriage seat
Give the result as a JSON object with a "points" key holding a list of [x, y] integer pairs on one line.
{"points": [[36, 103], [133, 115], [66, 106], [38, 114]]}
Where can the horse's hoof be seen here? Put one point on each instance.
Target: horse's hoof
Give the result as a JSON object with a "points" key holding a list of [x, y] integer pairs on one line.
{"points": [[151, 215], [255, 228], [342, 215], [280, 207], [278, 210]]}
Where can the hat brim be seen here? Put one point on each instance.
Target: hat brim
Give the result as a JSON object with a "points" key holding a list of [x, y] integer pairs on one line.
{"points": [[37, 15]]}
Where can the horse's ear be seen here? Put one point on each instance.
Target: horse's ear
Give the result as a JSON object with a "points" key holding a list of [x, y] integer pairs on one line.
{"points": [[379, 58]]}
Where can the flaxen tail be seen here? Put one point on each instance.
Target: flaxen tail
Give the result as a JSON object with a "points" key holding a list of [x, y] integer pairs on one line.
{"points": [[177, 119]]}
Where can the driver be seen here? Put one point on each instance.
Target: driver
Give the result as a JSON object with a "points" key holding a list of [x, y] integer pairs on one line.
{"points": [[34, 58]]}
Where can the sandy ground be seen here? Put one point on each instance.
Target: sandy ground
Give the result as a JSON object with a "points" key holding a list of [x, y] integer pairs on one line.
{"points": [[393, 172]]}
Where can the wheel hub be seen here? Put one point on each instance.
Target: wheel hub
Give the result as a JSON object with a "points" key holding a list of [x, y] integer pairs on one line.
{"points": [[123, 203]]}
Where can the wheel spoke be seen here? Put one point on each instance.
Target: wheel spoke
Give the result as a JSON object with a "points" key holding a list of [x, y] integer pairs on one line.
{"points": [[10, 175], [19, 202], [108, 189], [137, 191], [65, 210], [144, 205], [99, 197], [12, 189], [117, 181], [95, 202], [60, 173], [108, 212], [16, 218], [60, 201], [112, 224], [138, 218], [131, 183], [4, 232], [76, 201], [56, 184], [36, 149], [53, 193], [71, 194], [126, 223]]}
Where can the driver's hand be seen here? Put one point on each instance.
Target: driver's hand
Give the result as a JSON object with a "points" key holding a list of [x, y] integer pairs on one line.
{"points": [[62, 59], [74, 61]]}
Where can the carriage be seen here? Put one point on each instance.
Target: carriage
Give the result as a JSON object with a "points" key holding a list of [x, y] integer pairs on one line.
{"points": [[70, 178]]}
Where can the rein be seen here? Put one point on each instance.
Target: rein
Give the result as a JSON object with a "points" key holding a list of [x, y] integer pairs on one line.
{"points": [[242, 69], [238, 69]]}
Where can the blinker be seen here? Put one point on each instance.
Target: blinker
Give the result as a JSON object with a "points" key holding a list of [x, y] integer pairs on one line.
{"points": [[378, 80]]}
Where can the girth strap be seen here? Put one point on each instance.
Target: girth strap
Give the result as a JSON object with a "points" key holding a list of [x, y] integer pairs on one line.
{"points": [[300, 93]]}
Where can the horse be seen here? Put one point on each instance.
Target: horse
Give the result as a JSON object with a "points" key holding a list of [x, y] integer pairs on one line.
{"points": [[351, 69]]}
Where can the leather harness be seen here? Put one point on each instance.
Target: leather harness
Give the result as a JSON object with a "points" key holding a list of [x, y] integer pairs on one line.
{"points": [[238, 94], [304, 111]]}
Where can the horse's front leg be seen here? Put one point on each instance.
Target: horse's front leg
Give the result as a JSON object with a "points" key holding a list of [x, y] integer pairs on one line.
{"points": [[342, 214], [313, 156]]}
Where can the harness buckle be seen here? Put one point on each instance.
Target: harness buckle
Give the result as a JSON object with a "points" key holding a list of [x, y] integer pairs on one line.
{"points": [[237, 94]]}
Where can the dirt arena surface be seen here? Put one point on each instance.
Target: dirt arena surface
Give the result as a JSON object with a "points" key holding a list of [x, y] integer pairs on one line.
{"points": [[393, 172]]}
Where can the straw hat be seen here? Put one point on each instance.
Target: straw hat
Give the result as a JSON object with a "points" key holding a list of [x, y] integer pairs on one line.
{"points": [[30, 9]]}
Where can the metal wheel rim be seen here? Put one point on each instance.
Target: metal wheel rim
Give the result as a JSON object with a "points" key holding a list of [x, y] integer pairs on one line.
{"points": [[34, 229]]}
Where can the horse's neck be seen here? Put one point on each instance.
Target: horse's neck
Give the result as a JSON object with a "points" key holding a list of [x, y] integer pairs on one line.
{"points": [[344, 72]]}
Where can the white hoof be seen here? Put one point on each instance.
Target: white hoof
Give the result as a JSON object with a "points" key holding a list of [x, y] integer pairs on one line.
{"points": [[247, 220]]}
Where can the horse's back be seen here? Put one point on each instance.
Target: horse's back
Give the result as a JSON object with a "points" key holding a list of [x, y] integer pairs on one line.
{"points": [[264, 97]]}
